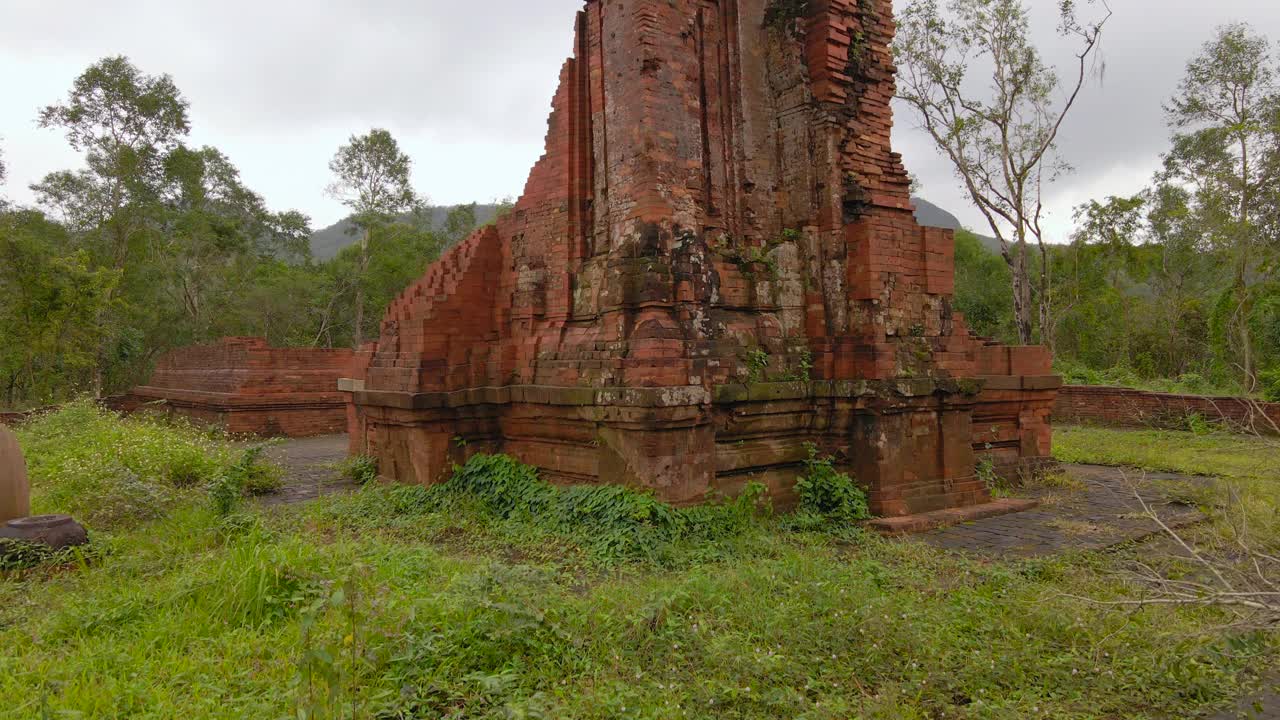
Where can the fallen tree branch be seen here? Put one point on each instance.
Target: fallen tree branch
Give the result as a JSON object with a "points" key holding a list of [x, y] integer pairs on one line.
{"points": [[1244, 583]]}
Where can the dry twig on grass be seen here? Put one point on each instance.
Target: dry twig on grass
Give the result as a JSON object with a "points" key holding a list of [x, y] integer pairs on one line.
{"points": [[1242, 580]]}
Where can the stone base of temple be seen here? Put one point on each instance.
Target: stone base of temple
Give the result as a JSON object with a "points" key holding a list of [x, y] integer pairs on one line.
{"points": [[924, 522], [1012, 424], [297, 415], [913, 444]]}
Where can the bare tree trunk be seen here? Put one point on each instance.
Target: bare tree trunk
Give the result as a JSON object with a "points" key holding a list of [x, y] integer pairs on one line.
{"points": [[96, 381], [1046, 299], [1022, 296], [1245, 335], [358, 333], [1242, 272]]}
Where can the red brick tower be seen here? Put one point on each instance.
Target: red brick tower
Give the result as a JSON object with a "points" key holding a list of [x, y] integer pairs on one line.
{"points": [[714, 264]]}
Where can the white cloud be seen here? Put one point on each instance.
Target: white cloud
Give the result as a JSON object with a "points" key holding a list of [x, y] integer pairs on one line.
{"points": [[279, 84]]}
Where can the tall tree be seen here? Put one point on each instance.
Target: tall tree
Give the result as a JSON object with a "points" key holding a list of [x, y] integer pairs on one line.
{"points": [[4, 176], [126, 123], [1226, 151], [52, 300], [213, 225], [372, 177], [1106, 231], [999, 135]]}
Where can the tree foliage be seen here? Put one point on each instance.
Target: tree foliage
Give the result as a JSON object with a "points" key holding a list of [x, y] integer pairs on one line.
{"points": [[1226, 156], [154, 244], [1001, 139], [372, 178], [52, 298], [1175, 286]]}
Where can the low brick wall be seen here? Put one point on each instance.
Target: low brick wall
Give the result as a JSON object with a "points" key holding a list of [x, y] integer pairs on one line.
{"points": [[246, 386], [115, 403], [1125, 407]]}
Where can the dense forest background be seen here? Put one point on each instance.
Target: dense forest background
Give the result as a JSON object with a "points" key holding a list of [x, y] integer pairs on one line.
{"points": [[154, 244]]}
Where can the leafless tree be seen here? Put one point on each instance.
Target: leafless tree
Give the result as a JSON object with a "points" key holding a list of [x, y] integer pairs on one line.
{"points": [[1000, 136]]}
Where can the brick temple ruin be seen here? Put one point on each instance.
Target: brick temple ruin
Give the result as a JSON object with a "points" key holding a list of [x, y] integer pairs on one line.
{"points": [[246, 386], [714, 264]]}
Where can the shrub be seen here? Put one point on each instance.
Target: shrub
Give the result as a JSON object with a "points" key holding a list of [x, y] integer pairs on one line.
{"points": [[264, 478], [1121, 376], [611, 523], [1271, 385], [246, 476], [1197, 424], [1073, 374], [826, 493], [503, 486]]}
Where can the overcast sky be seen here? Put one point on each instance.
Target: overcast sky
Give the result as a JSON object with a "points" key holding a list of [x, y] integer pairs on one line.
{"points": [[278, 85]]}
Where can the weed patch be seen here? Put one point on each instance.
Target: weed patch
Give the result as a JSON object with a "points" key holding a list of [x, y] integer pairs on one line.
{"points": [[361, 469], [112, 473], [827, 496], [496, 595], [246, 476], [611, 523]]}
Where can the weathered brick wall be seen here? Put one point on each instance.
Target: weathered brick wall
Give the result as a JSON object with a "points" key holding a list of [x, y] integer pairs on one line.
{"points": [[719, 217], [1125, 407], [1012, 421], [246, 386]]}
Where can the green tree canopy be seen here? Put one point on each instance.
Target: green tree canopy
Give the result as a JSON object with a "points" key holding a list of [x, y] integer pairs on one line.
{"points": [[372, 177]]}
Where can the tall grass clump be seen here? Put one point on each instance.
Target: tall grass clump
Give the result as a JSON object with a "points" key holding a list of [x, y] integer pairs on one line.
{"points": [[248, 475], [112, 472]]}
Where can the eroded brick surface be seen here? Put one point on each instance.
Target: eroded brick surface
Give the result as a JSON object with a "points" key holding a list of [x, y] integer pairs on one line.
{"points": [[714, 263], [246, 386]]}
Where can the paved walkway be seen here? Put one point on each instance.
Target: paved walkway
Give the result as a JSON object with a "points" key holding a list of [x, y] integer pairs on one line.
{"points": [[1096, 509], [311, 469]]}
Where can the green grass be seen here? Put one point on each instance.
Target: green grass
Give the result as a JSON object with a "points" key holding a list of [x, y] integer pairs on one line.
{"points": [[1238, 457], [1247, 493], [495, 599], [112, 473]]}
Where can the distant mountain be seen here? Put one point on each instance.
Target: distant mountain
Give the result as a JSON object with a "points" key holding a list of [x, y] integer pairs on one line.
{"points": [[930, 215], [327, 243]]}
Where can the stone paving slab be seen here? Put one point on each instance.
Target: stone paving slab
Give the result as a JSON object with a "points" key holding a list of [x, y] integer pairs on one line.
{"points": [[310, 469], [1102, 513]]}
